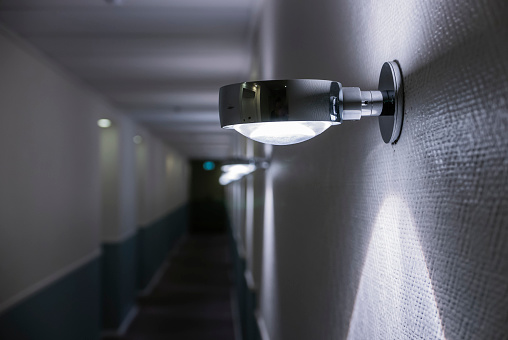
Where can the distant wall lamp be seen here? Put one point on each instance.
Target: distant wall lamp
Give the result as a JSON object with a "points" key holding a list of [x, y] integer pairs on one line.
{"points": [[283, 112], [235, 169], [137, 139], [104, 123]]}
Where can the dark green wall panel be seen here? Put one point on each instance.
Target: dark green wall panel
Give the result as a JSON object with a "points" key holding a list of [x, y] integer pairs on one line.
{"points": [[71, 308], [119, 278], [246, 298], [67, 309], [156, 240]]}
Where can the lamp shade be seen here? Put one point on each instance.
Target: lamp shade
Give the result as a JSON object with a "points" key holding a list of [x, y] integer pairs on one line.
{"points": [[279, 112]]}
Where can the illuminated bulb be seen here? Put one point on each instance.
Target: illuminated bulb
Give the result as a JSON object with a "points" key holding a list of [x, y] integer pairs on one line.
{"points": [[104, 123], [233, 172], [228, 177], [241, 169], [282, 133]]}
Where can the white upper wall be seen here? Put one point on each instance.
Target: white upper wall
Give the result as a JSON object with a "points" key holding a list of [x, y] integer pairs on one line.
{"points": [[141, 182], [166, 180], [58, 166], [49, 172], [118, 178]]}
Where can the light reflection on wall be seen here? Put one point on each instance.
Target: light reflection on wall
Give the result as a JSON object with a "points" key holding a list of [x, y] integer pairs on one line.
{"points": [[268, 297], [170, 163], [249, 221], [395, 298]]}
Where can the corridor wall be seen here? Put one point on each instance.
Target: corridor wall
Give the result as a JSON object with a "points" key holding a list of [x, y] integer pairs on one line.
{"points": [[50, 208], [163, 201], [363, 240], [144, 195], [69, 238]]}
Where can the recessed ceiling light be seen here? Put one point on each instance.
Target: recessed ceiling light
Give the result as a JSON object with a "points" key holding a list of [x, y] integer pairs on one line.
{"points": [[115, 2]]}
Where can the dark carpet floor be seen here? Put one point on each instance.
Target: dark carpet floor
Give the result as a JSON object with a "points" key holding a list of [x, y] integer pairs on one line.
{"points": [[192, 300]]}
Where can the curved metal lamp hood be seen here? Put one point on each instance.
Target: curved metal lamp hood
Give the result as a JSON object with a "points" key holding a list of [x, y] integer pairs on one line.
{"points": [[283, 112]]}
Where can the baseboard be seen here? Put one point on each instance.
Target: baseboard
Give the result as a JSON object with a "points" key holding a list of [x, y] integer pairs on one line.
{"points": [[155, 279], [48, 281], [122, 329], [236, 315], [162, 269], [119, 238], [68, 308], [262, 326]]}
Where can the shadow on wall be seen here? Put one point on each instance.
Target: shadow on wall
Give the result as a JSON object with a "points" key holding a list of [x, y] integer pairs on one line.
{"points": [[207, 200]]}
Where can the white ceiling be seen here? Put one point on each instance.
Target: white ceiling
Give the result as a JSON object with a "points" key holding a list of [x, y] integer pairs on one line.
{"points": [[160, 61]]}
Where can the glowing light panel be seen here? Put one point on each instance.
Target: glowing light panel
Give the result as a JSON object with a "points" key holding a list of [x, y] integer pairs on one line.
{"points": [[282, 133]]}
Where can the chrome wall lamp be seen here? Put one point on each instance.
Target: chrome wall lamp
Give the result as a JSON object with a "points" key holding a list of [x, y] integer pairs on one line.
{"points": [[283, 112], [235, 169]]}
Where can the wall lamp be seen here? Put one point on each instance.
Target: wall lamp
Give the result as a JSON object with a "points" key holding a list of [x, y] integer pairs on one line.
{"points": [[104, 123], [283, 112], [234, 170]]}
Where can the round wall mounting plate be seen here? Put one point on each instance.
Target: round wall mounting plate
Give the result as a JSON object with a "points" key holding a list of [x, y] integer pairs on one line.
{"points": [[390, 80]]}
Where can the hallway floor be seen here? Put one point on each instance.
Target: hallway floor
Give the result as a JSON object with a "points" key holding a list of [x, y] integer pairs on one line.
{"points": [[192, 300]]}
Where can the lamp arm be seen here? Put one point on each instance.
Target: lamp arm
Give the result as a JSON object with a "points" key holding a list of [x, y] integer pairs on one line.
{"points": [[354, 103]]}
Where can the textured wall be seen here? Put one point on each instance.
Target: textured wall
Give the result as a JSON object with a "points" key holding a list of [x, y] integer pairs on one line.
{"points": [[364, 240]]}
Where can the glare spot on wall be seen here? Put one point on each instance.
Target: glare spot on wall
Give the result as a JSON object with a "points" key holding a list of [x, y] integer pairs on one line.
{"points": [[268, 296], [395, 298], [268, 222], [170, 163]]}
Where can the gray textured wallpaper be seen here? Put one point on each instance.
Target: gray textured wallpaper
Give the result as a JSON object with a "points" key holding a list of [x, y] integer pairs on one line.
{"points": [[363, 240]]}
